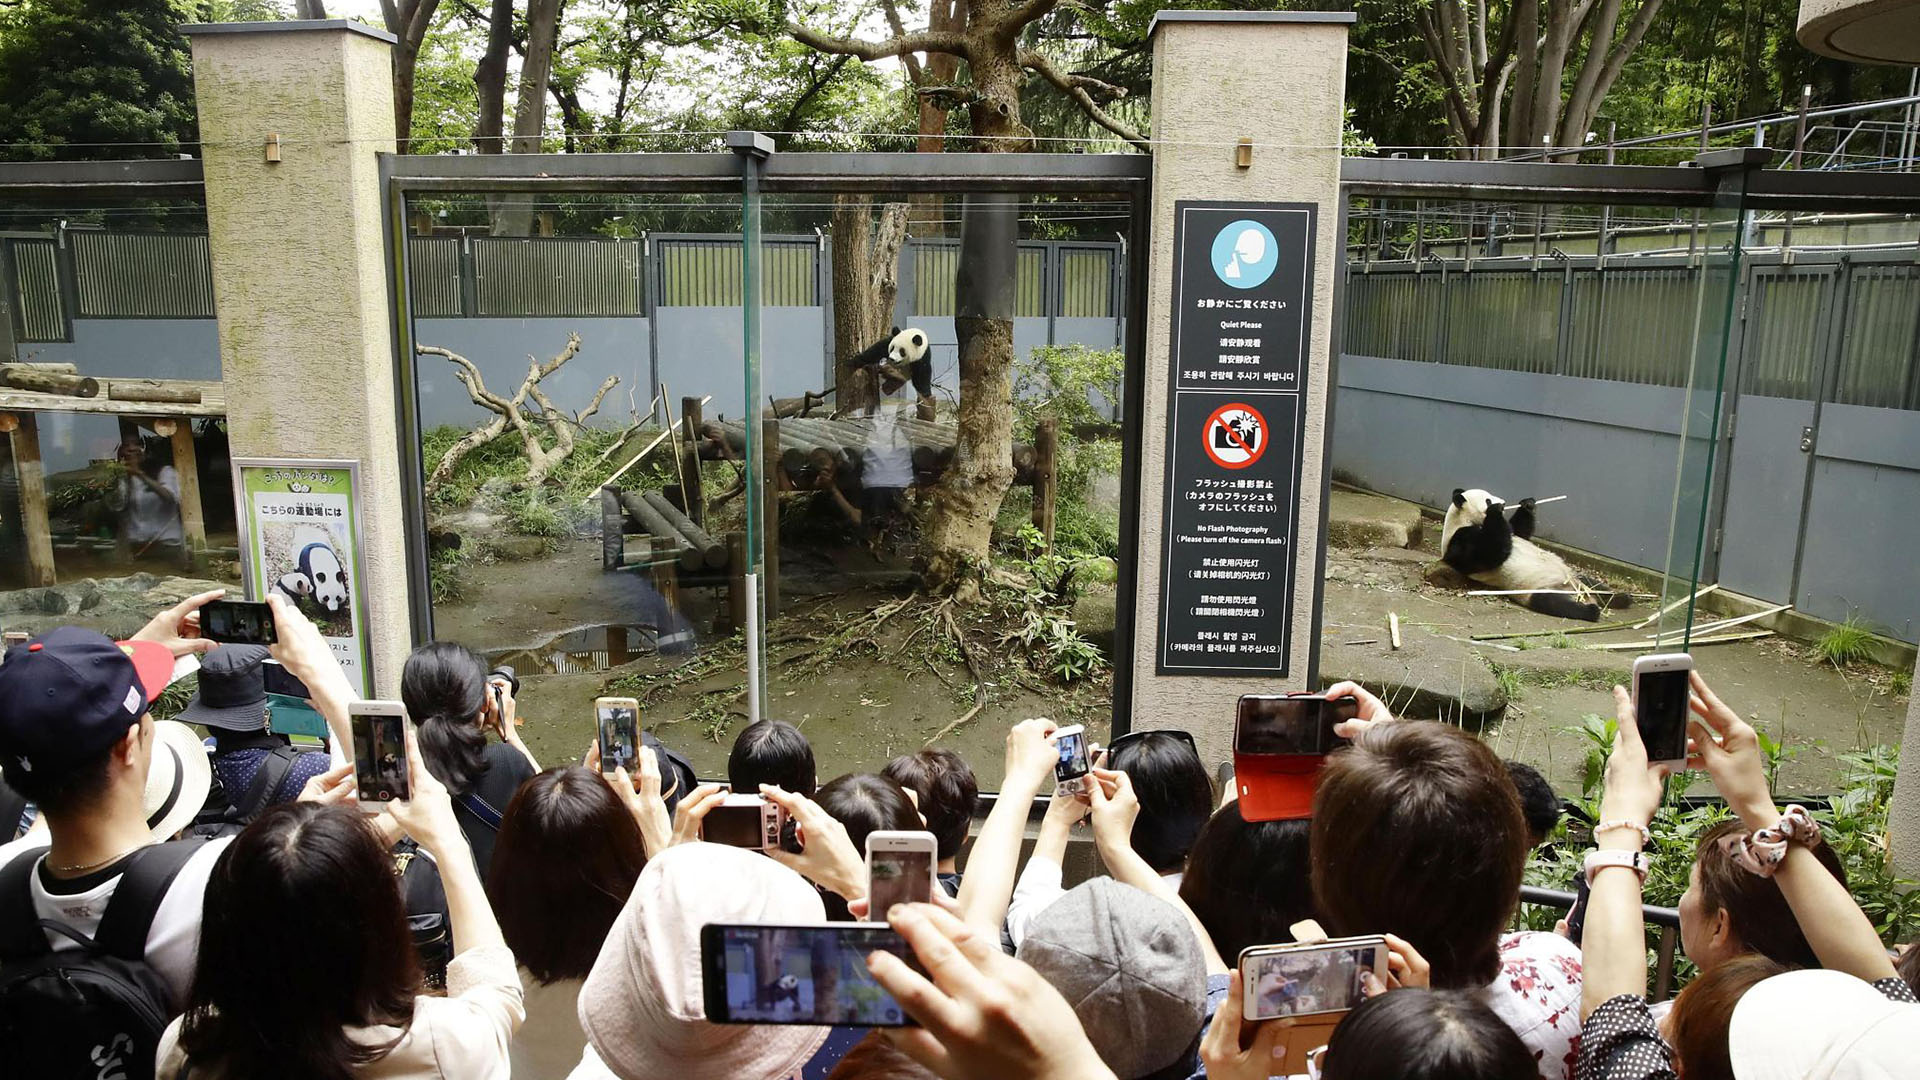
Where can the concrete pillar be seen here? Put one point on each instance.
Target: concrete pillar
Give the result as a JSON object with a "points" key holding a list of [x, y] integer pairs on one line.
{"points": [[1279, 79], [299, 269], [1903, 815]]}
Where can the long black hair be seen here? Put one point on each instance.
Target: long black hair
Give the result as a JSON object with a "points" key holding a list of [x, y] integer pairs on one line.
{"points": [[1248, 881], [1175, 797], [445, 688], [257, 1010], [1426, 1035]]}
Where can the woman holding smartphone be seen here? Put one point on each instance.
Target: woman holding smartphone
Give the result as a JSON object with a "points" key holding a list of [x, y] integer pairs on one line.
{"points": [[454, 707], [352, 1002]]}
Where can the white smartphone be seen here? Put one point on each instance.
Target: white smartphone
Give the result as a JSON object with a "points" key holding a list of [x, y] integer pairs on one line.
{"points": [[1074, 763], [617, 720], [1306, 980], [1660, 691], [901, 868], [380, 769]]}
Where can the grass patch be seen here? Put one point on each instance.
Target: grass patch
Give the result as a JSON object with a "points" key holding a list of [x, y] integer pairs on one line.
{"points": [[1511, 682], [1845, 643], [1901, 683], [446, 575], [569, 483], [1559, 640], [534, 515]]}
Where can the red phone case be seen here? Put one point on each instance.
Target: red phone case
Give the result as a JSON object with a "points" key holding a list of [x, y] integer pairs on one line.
{"points": [[1276, 787]]}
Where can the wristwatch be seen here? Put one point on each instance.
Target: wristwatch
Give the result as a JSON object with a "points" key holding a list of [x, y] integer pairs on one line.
{"points": [[1636, 861]]}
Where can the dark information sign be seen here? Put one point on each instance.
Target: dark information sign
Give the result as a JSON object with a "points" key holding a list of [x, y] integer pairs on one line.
{"points": [[1242, 295]]}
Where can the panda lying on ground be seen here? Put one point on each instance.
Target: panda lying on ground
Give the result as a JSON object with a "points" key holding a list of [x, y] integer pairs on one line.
{"points": [[1478, 541]]}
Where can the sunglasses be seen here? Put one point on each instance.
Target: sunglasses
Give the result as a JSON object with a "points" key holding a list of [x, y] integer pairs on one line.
{"points": [[1135, 736]]}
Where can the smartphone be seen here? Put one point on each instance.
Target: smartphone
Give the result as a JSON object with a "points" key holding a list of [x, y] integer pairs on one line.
{"points": [[1660, 704], [380, 772], [900, 870], [747, 821], [283, 682], [1293, 724], [1577, 914], [237, 622], [814, 974], [619, 719], [1309, 980], [1074, 762]]}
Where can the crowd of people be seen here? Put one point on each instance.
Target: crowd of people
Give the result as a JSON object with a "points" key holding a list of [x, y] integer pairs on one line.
{"points": [[226, 909]]}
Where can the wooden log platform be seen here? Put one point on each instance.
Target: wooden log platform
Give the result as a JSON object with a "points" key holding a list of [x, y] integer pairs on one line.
{"points": [[808, 445]]}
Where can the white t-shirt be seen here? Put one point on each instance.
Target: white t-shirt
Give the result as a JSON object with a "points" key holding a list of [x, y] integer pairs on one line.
{"points": [[175, 935], [549, 1044], [148, 516]]}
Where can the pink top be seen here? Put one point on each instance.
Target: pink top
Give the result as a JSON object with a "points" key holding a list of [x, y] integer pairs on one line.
{"points": [[1538, 994]]}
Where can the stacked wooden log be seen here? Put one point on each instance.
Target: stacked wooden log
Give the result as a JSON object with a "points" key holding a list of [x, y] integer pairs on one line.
{"points": [[816, 450], [66, 380]]}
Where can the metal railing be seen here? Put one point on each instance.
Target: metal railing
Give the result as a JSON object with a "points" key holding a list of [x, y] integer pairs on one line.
{"points": [[1667, 919]]}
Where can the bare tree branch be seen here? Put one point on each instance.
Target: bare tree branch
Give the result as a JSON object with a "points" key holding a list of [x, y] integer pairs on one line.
{"points": [[1075, 87], [1021, 14], [899, 29], [946, 42]]}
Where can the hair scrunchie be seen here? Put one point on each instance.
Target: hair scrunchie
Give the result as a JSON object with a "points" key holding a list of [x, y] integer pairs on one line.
{"points": [[1763, 850]]}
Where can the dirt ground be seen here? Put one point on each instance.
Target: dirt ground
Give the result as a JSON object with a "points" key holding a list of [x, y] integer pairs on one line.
{"points": [[863, 694]]}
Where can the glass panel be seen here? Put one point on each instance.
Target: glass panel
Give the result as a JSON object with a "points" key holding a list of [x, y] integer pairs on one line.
{"points": [[119, 502], [602, 321], [933, 303]]}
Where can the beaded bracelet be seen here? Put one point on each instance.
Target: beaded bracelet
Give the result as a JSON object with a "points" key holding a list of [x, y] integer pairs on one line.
{"points": [[1763, 850], [1646, 834]]}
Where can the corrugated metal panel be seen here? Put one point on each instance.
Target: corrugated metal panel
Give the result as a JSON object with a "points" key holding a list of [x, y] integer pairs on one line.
{"points": [[1030, 284], [1785, 334], [1633, 325], [433, 276], [1394, 315], [36, 272], [142, 275], [1505, 320], [1086, 282], [706, 273], [1879, 356], [934, 269], [529, 277]]}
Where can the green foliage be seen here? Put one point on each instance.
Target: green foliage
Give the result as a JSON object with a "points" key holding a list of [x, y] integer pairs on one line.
{"points": [[1064, 382], [1042, 602], [1510, 681], [533, 515], [569, 484], [174, 698], [1901, 683], [1845, 643], [446, 581], [80, 79]]}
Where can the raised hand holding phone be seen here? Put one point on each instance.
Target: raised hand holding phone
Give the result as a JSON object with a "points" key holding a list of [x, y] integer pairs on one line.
{"points": [[901, 868], [1728, 748], [827, 856], [1660, 705]]}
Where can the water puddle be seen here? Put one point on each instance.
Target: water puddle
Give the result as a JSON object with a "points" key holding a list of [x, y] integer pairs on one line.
{"points": [[583, 650]]}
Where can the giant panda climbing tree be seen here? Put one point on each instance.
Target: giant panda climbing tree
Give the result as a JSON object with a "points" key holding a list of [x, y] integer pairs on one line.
{"points": [[986, 35]]}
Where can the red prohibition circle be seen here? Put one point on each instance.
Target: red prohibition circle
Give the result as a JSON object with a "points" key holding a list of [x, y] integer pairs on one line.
{"points": [[1235, 446]]}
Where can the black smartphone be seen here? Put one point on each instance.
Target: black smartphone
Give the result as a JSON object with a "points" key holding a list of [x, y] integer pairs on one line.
{"points": [[380, 770], [813, 974], [237, 622], [1290, 724], [1577, 914], [283, 682]]}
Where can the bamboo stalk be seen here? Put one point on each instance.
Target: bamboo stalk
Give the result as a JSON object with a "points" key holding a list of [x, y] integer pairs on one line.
{"points": [[621, 471], [1552, 592], [1727, 624], [1596, 628], [1393, 628], [1663, 612], [1649, 646]]}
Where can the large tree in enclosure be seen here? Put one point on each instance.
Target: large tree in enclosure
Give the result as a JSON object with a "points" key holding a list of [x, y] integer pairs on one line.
{"points": [[987, 47]]}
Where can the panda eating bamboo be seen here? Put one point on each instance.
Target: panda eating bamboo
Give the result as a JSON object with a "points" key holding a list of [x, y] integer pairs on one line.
{"points": [[1479, 541]]}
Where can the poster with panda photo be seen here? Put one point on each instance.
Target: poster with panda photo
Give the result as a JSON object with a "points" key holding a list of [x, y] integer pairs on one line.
{"points": [[300, 537]]}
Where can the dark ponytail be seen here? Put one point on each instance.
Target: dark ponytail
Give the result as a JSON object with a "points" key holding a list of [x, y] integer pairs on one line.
{"points": [[445, 688]]}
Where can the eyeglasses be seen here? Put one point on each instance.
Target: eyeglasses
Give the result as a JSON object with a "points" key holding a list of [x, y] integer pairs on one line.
{"points": [[1133, 736], [1316, 1059]]}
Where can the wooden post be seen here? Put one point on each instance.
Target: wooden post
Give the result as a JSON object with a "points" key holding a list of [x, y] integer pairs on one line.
{"points": [[193, 523], [770, 514], [129, 436], [692, 494], [737, 580], [665, 557], [1046, 444], [33, 499]]}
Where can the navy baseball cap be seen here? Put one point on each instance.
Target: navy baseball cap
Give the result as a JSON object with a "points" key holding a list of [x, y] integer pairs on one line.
{"points": [[70, 694]]}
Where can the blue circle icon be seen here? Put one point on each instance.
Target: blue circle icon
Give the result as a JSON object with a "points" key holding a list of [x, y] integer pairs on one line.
{"points": [[1244, 254]]}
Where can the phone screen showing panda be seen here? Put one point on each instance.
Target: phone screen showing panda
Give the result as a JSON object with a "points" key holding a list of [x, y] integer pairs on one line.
{"points": [[237, 622], [813, 975], [1660, 705]]}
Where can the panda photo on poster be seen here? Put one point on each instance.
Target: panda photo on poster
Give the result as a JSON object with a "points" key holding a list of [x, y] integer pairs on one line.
{"points": [[301, 540]]}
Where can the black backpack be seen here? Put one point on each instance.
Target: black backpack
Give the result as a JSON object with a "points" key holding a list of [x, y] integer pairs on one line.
{"points": [[92, 1013], [223, 817]]}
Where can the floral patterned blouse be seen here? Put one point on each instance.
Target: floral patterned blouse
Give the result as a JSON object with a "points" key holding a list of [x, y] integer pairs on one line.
{"points": [[1538, 994]]}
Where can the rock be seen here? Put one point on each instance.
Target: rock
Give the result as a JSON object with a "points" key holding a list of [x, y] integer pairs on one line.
{"points": [[1428, 676], [1099, 570], [515, 548], [1441, 576], [1356, 520], [1095, 612]]}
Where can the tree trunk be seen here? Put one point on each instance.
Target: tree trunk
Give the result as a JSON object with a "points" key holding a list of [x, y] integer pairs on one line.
{"points": [[309, 9], [854, 317], [514, 216], [407, 21], [490, 80]]}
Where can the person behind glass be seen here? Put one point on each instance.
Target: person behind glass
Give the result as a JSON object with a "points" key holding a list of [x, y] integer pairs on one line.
{"points": [[771, 752], [865, 803], [1856, 1018], [568, 854], [146, 499], [1417, 831], [944, 790], [356, 1006], [454, 706]]}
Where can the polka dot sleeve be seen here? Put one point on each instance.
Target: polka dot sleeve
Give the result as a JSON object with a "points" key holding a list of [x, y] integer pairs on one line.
{"points": [[1621, 1042]]}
